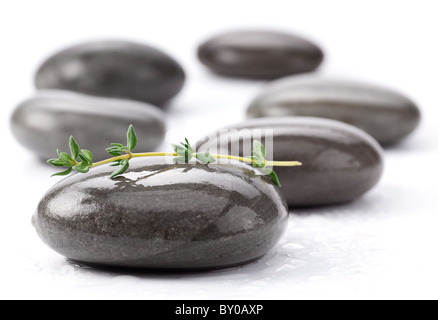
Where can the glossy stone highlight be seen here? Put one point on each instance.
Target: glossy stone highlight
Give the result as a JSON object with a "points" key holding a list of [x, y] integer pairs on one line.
{"points": [[340, 162], [161, 215], [45, 122], [118, 69], [259, 54], [386, 115]]}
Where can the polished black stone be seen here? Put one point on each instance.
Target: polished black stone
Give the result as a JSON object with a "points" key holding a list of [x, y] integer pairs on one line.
{"points": [[340, 162], [45, 122], [161, 215], [117, 69], [386, 115], [259, 54]]}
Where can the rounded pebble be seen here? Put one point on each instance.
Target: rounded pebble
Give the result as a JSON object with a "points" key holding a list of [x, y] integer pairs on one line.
{"points": [[340, 162], [259, 54], [117, 69], [45, 122], [386, 115], [161, 215]]}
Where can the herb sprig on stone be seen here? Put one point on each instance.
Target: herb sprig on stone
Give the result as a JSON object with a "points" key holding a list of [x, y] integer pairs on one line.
{"points": [[81, 160]]}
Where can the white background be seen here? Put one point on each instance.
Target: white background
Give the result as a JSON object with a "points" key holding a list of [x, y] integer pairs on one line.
{"points": [[383, 245]]}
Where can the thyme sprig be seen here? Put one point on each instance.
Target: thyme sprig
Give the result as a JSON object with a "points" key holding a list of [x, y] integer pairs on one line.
{"points": [[81, 160]]}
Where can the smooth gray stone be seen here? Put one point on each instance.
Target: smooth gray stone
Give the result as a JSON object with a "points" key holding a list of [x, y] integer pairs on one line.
{"points": [[386, 115], [161, 215], [340, 162], [116, 69], [45, 122], [259, 54]]}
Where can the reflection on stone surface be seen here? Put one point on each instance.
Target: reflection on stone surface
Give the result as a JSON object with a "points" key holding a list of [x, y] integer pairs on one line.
{"points": [[259, 54], [117, 69], [340, 162], [179, 216], [386, 115], [45, 122]]}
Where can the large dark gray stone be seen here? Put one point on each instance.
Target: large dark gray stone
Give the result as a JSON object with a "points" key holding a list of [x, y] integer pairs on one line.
{"points": [[259, 54], [161, 215], [45, 122], [386, 115], [340, 162], [116, 69]]}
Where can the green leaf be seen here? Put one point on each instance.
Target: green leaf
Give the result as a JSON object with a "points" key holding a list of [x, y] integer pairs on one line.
{"points": [[258, 162], [87, 155], [83, 159], [178, 149], [121, 170], [259, 154], [202, 158], [56, 162], [273, 176], [83, 168], [115, 154], [74, 148], [117, 149], [63, 173], [210, 157], [117, 145], [185, 152], [259, 149], [132, 138], [64, 157], [116, 163], [205, 158], [188, 146]]}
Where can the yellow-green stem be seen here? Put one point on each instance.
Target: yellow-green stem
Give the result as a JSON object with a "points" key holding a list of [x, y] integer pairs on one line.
{"points": [[217, 156], [283, 163]]}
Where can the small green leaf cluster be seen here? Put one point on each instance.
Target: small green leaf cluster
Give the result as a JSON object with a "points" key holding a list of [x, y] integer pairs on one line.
{"points": [[259, 161], [79, 160], [205, 157], [117, 149], [185, 153]]}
